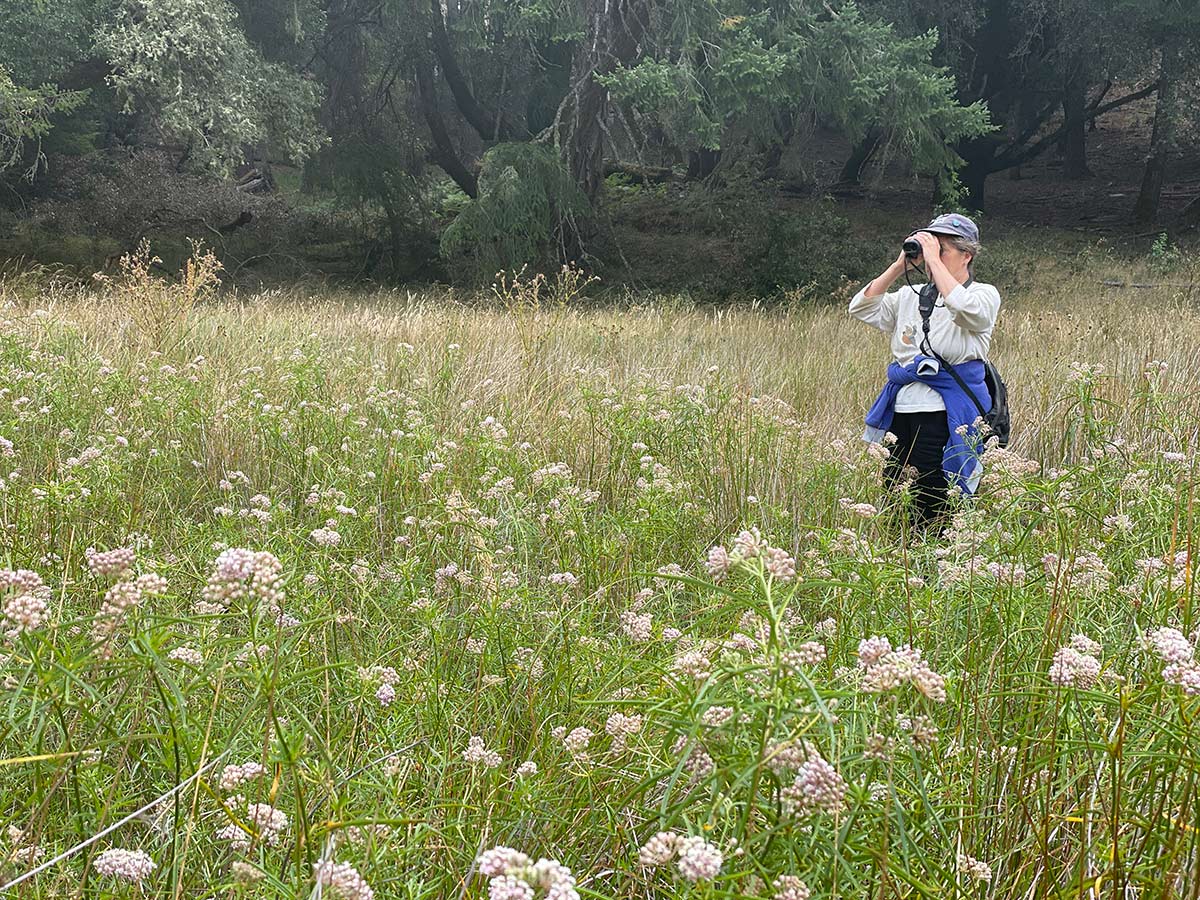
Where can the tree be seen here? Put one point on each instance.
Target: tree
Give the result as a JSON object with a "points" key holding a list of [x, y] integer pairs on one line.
{"points": [[1044, 68], [615, 31], [26, 117], [753, 70], [1171, 28], [40, 45], [186, 68], [526, 210], [42, 42]]}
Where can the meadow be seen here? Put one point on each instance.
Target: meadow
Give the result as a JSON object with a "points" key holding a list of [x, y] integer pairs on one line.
{"points": [[424, 595]]}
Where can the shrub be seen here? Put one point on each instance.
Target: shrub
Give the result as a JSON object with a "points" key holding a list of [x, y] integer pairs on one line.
{"points": [[527, 211], [804, 254], [90, 209]]}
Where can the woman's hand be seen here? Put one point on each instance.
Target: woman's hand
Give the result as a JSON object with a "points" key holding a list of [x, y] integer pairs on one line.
{"points": [[883, 281], [931, 247], [903, 262]]}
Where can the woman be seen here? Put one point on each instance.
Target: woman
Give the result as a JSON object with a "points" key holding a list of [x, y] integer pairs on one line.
{"points": [[932, 417]]}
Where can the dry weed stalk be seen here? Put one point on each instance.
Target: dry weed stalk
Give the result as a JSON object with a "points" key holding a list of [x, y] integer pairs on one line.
{"points": [[161, 309]]}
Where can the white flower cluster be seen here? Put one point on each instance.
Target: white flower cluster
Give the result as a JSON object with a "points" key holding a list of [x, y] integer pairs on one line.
{"points": [[862, 510], [693, 664], [817, 787], [885, 669], [123, 596], [717, 716], [267, 825], [696, 858], [477, 752], [576, 743], [343, 880], [807, 655], [127, 865], [636, 626], [620, 727], [25, 606], [233, 776], [514, 877], [189, 655], [385, 694], [240, 574], [23, 847], [790, 887], [973, 868], [747, 547], [1179, 657], [109, 562], [1076, 665], [326, 537], [25, 612]]}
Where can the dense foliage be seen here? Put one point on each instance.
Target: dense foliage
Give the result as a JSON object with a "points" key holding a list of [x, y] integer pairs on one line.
{"points": [[389, 112]]}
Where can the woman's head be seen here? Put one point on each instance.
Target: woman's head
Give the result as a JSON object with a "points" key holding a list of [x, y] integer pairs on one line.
{"points": [[959, 237], [956, 247]]}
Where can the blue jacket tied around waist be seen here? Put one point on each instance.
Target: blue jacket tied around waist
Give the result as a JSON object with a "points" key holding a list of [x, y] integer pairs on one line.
{"points": [[960, 460]]}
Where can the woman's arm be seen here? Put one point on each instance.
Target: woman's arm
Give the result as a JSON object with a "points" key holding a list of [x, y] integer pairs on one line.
{"points": [[885, 279], [873, 304], [974, 310]]}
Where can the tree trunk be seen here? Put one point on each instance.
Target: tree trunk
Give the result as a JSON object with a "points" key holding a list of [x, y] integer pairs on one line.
{"points": [[1162, 139], [702, 163], [443, 152], [1190, 217], [491, 126], [395, 229], [772, 153], [1074, 144], [979, 154], [860, 156], [343, 105], [586, 147], [639, 174], [614, 32], [771, 159], [1103, 93]]}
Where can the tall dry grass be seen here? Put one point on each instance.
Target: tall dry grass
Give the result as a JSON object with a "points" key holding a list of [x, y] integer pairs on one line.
{"points": [[824, 365]]}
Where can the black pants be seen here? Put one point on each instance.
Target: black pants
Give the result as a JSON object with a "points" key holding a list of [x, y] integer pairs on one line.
{"points": [[920, 442]]}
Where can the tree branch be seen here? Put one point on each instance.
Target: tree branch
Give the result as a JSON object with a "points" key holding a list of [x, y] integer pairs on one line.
{"points": [[1014, 157], [443, 152], [491, 126], [1121, 101]]}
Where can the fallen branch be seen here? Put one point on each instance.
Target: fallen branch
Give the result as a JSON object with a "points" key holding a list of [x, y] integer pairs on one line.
{"points": [[1143, 284], [639, 174]]}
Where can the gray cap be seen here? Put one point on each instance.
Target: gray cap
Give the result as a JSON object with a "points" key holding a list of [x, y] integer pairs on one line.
{"points": [[953, 224]]}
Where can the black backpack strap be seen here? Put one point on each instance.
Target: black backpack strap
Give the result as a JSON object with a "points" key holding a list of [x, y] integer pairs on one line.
{"points": [[962, 384], [925, 345]]}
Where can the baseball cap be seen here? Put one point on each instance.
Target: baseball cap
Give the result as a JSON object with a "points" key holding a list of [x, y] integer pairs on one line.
{"points": [[954, 224]]}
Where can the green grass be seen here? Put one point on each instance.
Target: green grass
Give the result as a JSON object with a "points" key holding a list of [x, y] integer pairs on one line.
{"points": [[620, 458]]}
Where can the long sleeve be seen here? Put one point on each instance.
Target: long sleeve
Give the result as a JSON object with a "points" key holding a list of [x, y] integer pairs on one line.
{"points": [[975, 309], [879, 312]]}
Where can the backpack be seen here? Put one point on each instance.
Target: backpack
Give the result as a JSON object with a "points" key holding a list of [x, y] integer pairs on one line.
{"points": [[998, 418]]}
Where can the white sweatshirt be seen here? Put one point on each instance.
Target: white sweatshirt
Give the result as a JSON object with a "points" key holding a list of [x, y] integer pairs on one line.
{"points": [[960, 329]]}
